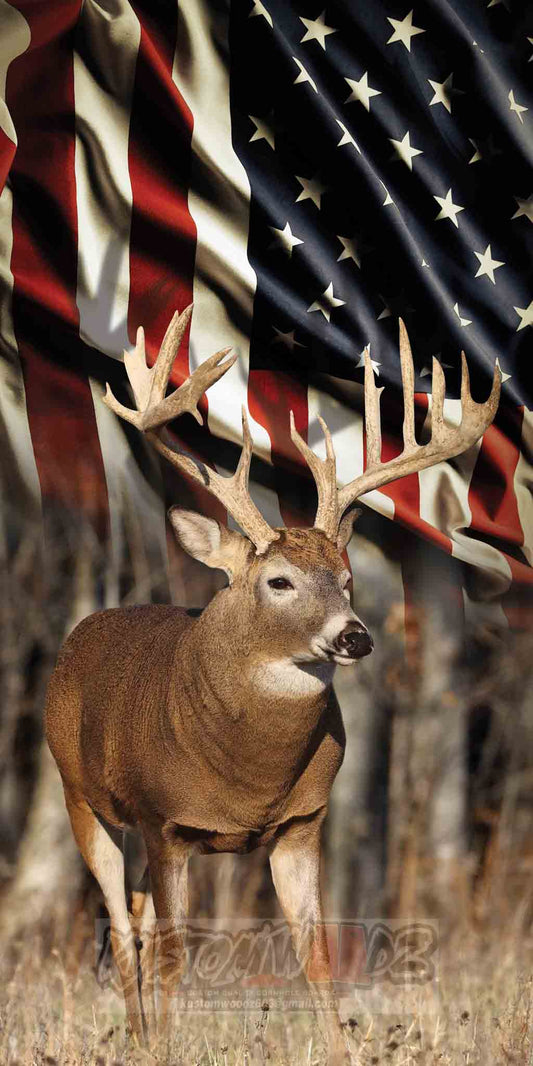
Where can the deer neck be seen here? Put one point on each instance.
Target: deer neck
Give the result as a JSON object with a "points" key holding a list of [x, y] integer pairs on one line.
{"points": [[235, 677]]}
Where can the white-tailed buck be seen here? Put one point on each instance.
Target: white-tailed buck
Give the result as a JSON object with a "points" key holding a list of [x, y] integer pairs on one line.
{"points": [[222, 733]]}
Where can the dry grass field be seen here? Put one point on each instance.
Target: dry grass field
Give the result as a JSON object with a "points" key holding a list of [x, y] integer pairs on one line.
{"points": [[479, 1010]]}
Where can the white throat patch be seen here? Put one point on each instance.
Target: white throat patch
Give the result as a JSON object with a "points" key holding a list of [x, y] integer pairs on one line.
{"points": [[283, 677]]}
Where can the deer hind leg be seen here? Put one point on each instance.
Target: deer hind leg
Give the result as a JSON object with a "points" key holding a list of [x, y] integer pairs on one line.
{"points": [[295, 865], [139, 891], [101, 847], [168, 864]]}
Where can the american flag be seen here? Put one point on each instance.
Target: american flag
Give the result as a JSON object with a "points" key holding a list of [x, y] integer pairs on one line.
{"points": [[304, 175]]}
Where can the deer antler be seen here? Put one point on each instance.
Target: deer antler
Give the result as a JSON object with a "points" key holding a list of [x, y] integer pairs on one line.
{"points": [[154, 410], [446, 441]]}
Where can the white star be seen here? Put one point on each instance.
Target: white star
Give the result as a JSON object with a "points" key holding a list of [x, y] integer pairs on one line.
{"points": [[284, 239], [317, 30], [442, 92], [526, 316], [424, 264], [386, 313], [515, 106], [326, 303], [404, 151], [346, 136], [505, 377], [262, 131], [525, 207], [287, 339], [260, 9], [477, 153], [447, 208], [477, 46], [351, 250], [304, 75], [463, 321], [404, 30], [361, 363], [388, 198], [361, 91], [530, 60], [311, 190], [487, 265]]}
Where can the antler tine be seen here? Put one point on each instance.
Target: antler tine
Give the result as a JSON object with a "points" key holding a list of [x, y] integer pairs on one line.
{"points": [[160, 371], [324, 473], [154, 409], [408, 386], [372, 419], [446, 440]]}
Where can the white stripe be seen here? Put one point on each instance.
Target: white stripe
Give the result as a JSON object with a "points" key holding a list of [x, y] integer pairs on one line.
{"points": [[14, 40], [104, 73], [444, 505], [523, 485], [219, 202]]}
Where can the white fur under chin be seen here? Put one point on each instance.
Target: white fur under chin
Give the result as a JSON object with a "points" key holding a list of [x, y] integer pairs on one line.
{"points": [[283, 677]]}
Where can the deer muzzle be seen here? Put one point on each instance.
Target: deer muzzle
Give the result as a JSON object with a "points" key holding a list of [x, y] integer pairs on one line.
{"points": [[354, 641]]}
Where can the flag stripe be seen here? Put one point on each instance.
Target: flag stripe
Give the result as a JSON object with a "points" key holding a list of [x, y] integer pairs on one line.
{"points": [[45, 317]]}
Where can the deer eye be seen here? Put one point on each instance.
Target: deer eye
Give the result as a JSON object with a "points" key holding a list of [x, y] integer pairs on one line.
{"points": [[280, 583]]}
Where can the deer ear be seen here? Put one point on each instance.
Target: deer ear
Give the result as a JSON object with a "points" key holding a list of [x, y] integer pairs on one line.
{"points": [[346, 527], [209, 541]]}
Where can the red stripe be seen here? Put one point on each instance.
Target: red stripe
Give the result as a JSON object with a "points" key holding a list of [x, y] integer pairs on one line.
{"points": [[271, 395], [7, 154], [163, 233], [492, 498], [40, 95]]}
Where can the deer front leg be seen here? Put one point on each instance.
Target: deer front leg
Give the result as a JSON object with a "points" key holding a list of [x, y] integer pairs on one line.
{"points": [[295, 865], [168, 876]]}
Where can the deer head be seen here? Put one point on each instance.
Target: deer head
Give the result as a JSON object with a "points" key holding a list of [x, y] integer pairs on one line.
{"points": [[292, 582]]}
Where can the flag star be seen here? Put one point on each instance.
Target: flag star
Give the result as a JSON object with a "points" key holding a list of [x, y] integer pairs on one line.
{"points": [[351, 251], [526, 316], [311, 190], [463, 321], [404, 30], [505, 377], [316, 30], [477, 46], [361, 363], [404, 151], [326, 303], [284, 239], [525, 207], [304, 75], [346, 136], [424, 264], [260, 9], [386, 313], [447, 208], [262, 131], [530, 60], [361, 91], [287, 339], [442, 93], [388, 198], [477, 152], [487, 265], [515, 106]]}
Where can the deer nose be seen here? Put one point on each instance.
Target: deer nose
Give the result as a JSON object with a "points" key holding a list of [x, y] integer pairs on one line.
{"points": [[355, 640]]}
